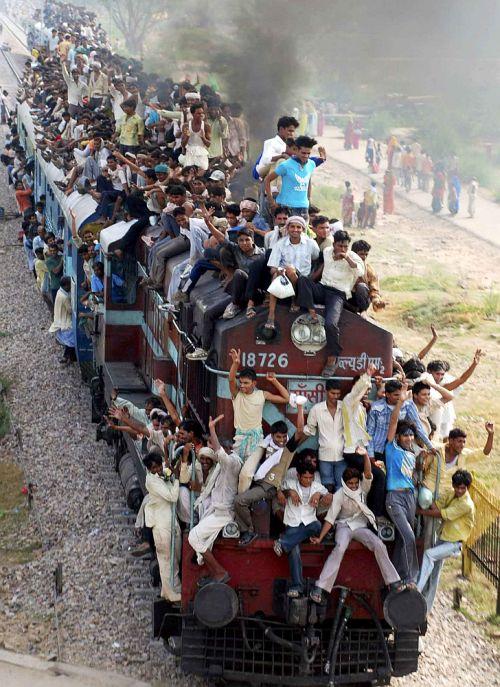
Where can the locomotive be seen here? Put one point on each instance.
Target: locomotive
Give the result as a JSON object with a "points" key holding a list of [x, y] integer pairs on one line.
{"points": [[248, 631]]}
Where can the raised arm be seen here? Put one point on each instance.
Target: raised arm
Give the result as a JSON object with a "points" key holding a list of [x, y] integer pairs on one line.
{"points": [[393, 422], [446, 395], [235, 355], [128, 162], [490, 428], [429, 345], [282, 396], [138, 427], [214, 439], [171, 409], [367, 466], [468, 372]]}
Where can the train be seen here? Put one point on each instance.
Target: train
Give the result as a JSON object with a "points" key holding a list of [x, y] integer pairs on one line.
{"points": [[247, 631]]}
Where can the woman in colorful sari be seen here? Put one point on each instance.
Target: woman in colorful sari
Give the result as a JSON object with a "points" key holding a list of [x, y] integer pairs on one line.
{"points": [[438, 189], [454, 188], [347, 205]]}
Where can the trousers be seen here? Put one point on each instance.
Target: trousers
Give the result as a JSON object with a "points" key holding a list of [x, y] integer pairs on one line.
{"points": [[169, 250], [290, 541], [432, 564], [242, 503], [401, 506], [310, 293], [343, 537]]}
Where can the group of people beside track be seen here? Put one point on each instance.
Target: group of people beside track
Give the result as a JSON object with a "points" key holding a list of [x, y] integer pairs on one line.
{"points": [[409, 166], [167, 155]]}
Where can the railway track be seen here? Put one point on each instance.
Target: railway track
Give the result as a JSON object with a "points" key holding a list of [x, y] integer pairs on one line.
{"points": [[118, 516]]}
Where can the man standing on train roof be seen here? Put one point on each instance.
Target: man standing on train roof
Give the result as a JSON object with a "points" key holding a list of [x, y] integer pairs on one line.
{"points": [[215, 503], [342, 268], [295, 173], [248, 404], [273, 151]]}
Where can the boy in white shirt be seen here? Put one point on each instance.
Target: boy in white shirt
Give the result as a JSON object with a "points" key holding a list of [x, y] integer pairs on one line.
{"points": [[303, 494]]}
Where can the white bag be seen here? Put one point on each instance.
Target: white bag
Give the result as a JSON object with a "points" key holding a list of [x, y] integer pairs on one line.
{"points": [[281, 287]]}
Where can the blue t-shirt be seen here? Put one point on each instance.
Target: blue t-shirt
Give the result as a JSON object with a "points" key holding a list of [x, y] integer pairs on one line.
{"points": [[96, 285], [294, 182], [400, 465]]}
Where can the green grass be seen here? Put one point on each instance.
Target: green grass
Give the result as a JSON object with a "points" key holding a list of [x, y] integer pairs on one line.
{"points": [[14, 519], [491, 305], [328, 200], [413, 282], [479, 595]]}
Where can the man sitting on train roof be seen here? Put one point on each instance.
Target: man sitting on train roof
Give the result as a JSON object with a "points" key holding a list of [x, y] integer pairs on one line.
{"points": [[341, 270], [215, 504], [235, 262], [267, 481], [171, 241]]}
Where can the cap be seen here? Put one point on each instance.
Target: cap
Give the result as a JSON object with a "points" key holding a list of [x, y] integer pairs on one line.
{"points": [[206, 451], [217, 175], [161, 169]]}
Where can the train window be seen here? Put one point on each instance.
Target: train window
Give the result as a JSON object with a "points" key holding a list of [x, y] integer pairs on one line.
{"points": [[123, 277]]}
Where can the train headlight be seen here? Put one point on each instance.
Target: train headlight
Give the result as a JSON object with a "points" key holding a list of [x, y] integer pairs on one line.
{"points": [[309, 337]]}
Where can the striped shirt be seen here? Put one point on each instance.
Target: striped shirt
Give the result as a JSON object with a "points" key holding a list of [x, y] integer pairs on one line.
{"points": [[378, 421]]}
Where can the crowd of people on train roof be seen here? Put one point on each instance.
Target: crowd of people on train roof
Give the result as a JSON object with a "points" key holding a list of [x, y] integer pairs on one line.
{"points": [[166, 155]]}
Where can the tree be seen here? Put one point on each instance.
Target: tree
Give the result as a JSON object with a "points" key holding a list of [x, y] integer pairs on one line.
{"points": [[135, 19]]}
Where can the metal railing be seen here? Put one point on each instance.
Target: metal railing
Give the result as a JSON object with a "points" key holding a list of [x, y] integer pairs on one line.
{"points": [[483, 546]]}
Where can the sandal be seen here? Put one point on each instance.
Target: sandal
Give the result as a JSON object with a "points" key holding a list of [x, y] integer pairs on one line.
{"points": [[329, 370], [316, 595], [270, 325], [251, 312]]}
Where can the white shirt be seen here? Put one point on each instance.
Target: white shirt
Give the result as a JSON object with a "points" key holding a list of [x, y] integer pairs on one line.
{"points": [[272, 237], [272, 147], [226, 485], [339, 274], [160, 506], [117, 99], [299, 255], [354, 416], [304, 512], [329, 430], [76, 89]]}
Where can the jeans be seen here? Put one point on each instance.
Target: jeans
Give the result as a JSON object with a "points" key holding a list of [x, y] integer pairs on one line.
{"points": [[331, 473], [290, 542], [432, 564], [401, 506], [310, 293], [199, 269]]}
